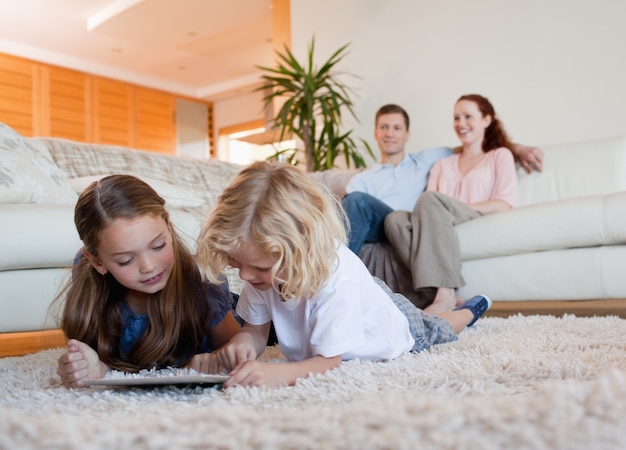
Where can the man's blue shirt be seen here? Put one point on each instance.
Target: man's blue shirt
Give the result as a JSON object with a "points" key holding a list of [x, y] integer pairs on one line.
{"points": [[399, 186]]}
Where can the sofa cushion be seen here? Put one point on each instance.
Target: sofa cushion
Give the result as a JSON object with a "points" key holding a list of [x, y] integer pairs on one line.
{"points": [[37, 236], [43, 236], [576, 170], [27, 175], [335, 180], [174, 196], [582, 222], [205, 178], [567, 274]]}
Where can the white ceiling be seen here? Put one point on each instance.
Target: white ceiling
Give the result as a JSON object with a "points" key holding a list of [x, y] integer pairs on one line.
{"points": [[200, 48]]}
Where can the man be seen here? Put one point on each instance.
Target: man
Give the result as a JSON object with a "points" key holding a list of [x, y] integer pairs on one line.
{"points": [[399, 179]]}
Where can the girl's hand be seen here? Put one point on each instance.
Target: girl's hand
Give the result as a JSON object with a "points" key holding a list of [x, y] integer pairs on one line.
{"points": [[79, 363], [205, 363]]}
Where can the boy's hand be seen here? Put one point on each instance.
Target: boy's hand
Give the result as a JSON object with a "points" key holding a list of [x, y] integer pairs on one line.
{"points": [[258, 373], [239, 349], [205, 363]]}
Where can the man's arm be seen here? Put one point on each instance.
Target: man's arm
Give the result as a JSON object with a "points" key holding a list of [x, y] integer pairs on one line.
{"points": [[531, 158]]}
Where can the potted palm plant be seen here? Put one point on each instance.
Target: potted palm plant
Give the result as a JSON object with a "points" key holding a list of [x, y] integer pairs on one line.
{"points": [[313, 102]]}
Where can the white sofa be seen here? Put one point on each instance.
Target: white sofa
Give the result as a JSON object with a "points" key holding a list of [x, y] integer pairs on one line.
{"points": [[566, 243]]}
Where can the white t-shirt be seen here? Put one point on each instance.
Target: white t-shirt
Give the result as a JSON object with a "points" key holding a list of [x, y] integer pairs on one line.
{"points": [[349, 316]]}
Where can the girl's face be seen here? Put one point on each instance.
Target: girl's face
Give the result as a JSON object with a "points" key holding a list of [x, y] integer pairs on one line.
{"points": [[138, 253], [254, 267], [469, 122]]}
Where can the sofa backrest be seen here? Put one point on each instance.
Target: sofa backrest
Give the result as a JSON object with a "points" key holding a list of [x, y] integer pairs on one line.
{"points": [[204, 178], [576, 170], [569, 170]]}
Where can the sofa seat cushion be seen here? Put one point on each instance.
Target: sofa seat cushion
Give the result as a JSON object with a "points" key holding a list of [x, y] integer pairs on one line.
{"points": [[570, 274], [583, 222]]}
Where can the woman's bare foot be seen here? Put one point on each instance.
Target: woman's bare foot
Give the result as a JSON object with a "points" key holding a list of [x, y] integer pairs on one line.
{"points": [[445, 300]]}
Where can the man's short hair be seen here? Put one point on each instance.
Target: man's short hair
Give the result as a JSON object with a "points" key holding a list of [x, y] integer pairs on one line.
{"points": [[393, 109]]}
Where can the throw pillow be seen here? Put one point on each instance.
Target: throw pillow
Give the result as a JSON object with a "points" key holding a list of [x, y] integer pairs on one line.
{"points": [[174, 196], [27, 175]]}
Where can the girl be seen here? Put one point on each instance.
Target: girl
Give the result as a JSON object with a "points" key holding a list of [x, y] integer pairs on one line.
{"points": [[136, 299], [286, 236], [480, 178]]}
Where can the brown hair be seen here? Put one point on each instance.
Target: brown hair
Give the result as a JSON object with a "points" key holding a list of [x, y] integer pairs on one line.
{"points": [[495, 136], [393, 109], [178, 316]]}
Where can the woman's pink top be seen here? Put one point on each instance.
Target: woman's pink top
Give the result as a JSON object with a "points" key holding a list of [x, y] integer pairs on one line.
{"points": [[495, 177]]}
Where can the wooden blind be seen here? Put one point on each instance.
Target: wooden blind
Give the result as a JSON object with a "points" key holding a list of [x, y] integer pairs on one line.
{"points": [[155, 116], [16, 93], [112, 112], [44, 100], [65, 103]]}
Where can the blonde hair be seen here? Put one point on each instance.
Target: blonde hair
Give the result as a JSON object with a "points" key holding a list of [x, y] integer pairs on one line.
{"points": [[282, 213]]}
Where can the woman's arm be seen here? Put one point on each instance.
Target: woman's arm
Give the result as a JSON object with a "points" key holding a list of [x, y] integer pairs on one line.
{"points": [[491, 206], [259, 373]]}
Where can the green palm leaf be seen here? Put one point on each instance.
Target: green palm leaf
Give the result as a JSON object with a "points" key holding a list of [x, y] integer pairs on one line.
{"points": [[314, 101]]}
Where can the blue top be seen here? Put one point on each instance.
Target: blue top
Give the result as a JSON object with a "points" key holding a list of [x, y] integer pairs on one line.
{"points": [[134, 325], [219, 297], [399, 186]]}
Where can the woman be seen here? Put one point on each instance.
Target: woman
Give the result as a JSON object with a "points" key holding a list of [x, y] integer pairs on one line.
{"points": [[480, 178]]}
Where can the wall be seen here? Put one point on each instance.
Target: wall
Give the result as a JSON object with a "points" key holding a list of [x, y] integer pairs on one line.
{"points": [[246, 107], [554, 70]]}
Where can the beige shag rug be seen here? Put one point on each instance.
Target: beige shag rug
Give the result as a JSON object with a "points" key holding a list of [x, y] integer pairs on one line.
{"points": [[536, 382]]}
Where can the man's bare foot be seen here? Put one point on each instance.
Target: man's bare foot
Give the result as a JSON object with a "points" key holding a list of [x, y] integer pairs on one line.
{"points": [[445, 300]]}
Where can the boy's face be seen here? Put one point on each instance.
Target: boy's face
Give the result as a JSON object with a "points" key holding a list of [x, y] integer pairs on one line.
{"points": [[391, 133], [254, 267]]}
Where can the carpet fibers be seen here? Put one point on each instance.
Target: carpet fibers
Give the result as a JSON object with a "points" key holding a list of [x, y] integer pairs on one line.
{"points": [[534, 382]]}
